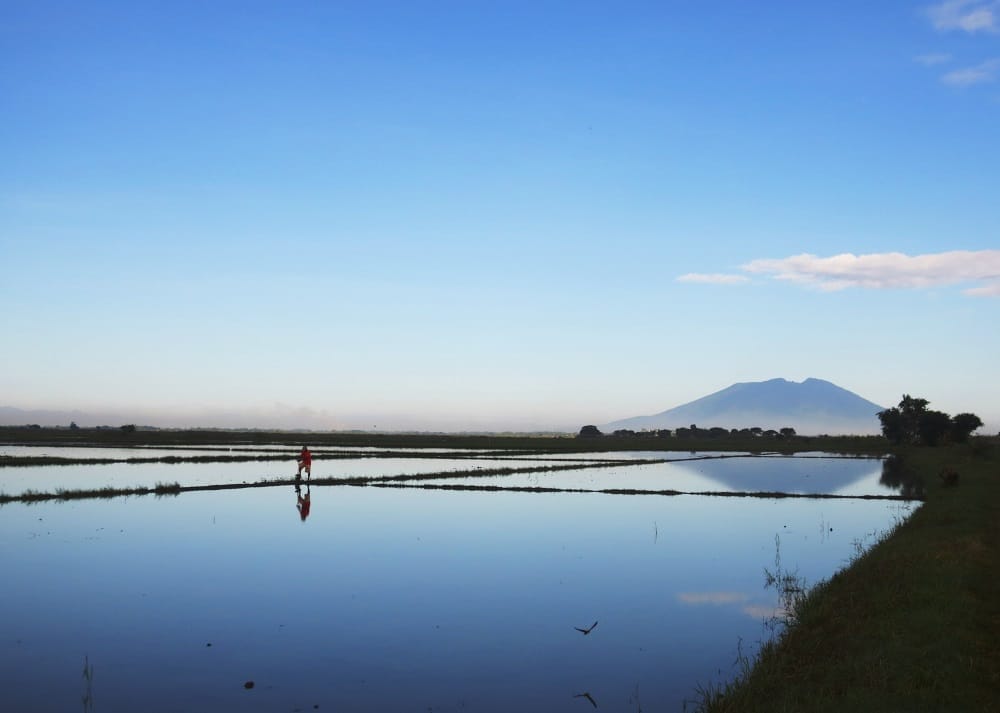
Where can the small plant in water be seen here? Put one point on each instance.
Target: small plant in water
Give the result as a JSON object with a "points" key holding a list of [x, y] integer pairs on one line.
{"points": [[634, 698], [792, 592], [791, 588], [167, 488], [88, 686]]}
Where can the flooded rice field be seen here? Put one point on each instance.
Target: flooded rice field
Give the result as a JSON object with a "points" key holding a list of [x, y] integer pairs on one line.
{"points": [[799, 476], [304, 597], [48, 478]]}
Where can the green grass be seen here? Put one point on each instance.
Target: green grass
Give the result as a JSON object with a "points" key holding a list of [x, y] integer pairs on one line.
{"points": [[108, 491], [911, 625]]}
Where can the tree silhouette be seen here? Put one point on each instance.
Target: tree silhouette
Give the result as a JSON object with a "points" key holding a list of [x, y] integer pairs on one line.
{"points": [[962, 426], [912, 422], [901, 424], [933, 427]]}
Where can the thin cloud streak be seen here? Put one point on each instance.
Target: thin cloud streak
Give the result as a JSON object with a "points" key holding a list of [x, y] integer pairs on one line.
{"points": [[717, 598], [758, 611], [990, 290], [979, 74], [713, 279], [969, 16], [933, 59], [887, 270]]}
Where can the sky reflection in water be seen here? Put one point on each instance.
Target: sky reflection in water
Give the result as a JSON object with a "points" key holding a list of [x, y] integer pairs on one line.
{"points": [[388, 599], [814, 475], [16, 480]]}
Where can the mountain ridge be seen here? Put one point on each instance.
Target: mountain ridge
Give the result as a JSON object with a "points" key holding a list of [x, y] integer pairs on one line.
{"points": [[811, 407]]}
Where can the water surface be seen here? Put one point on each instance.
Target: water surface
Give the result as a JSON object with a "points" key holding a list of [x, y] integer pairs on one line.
{"points": [[752, 474], [388, 599], [17, 480]]}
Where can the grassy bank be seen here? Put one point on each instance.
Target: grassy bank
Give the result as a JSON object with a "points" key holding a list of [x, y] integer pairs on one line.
{"points": [[914, 624]]}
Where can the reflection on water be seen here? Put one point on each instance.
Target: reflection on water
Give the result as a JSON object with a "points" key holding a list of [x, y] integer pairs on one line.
{"points": [[895, 474], [809, 476], [50, 478], [639, 455], [405, 600], [753, 474], [303, 503], [88, 691]]}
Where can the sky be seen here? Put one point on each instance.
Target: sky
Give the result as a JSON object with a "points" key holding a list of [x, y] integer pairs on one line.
{"points": [[494, 215]]}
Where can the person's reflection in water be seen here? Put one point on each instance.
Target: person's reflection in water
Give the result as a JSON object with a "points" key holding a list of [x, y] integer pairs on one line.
{"points": [[303, 502]]}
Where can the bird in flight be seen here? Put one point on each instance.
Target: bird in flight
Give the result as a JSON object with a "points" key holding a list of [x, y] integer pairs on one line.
{"points": [[588, 697], [586, 631]]}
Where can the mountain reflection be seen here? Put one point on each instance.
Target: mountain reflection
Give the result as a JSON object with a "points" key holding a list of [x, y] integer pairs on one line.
{"points": [[784, 474]]}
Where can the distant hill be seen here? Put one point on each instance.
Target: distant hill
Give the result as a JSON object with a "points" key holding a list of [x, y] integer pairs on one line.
{"points": [[811, 407]]}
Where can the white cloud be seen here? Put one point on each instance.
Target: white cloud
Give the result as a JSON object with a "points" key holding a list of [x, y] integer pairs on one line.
{"points": [[930, 60], [717, 598], [991, 289], [759, 611], [888, 270], [755, 610], [967, 15], [713, 279], [980, 74]]}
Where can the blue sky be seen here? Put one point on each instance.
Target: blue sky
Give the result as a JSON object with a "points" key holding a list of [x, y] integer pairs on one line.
{"points": [[509, 215]]}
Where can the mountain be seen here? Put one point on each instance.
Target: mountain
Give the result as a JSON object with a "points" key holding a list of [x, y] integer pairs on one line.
{"points": [[811, 407]]}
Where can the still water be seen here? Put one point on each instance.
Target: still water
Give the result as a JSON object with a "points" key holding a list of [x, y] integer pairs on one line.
{"points": [[49, 478], [746, 474], [397, 599]]}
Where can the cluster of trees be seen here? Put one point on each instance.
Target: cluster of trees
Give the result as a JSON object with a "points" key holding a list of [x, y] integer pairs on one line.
{"points": [[693, 431], [911, 422]]}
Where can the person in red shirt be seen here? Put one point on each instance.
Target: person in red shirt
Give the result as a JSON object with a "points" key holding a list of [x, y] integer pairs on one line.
{"points": [[305, 463]]}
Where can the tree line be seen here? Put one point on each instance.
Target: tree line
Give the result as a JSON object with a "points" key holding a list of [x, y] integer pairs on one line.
{"points": [[692, 431]]}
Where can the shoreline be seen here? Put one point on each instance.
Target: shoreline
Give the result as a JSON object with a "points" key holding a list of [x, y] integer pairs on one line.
{"points": [[911, 624]]}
